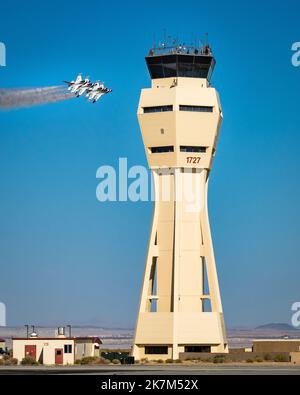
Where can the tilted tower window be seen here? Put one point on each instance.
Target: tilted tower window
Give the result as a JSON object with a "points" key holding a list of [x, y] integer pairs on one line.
{"points": [[181, 65], [196, 108], [148, 110], [188, 148], [159, 150]]}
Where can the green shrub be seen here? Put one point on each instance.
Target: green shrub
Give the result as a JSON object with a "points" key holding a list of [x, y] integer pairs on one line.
{"points": [[89, 360], [169, 360], [258, 359], [116, 361], [281, 358], [106, 361], [219, 359], [249, 360], [8, 360], [144, 360], [178, 361], [14, 361], [159, 361], [268, 357], [93, 361], [102, 361], [28, 360]]}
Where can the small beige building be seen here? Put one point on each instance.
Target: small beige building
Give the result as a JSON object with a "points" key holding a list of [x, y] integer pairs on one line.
{"points": [[60, 350]]}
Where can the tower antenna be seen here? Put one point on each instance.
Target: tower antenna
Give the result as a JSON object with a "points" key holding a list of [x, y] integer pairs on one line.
{"points": [[206, 38], [192, 39]]}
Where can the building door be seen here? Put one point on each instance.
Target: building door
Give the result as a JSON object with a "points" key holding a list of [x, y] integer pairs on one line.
{"points": [[30, 351], [59, 356]]}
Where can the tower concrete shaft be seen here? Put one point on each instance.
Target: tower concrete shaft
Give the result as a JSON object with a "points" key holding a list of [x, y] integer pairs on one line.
{"points": [[180, 309]]}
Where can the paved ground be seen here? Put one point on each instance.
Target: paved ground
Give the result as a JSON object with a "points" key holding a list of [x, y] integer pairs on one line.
{"points": [[243, 369]]}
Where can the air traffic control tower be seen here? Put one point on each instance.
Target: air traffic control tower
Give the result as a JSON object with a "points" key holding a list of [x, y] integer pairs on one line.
{"points": [[180, 116]]}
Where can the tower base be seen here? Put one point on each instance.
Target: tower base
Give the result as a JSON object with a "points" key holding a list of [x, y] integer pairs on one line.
{"points": [[167, 335]]}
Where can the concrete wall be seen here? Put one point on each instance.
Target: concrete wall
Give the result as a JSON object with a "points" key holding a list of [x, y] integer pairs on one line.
{"points": [[295, 357], [276, 346], [84, 349]]}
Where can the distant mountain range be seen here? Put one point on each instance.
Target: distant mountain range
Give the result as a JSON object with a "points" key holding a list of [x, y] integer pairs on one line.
{"points": [[277, 327], [122, 338]]}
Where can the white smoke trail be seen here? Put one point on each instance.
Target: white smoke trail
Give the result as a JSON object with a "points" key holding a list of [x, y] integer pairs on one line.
{"points": [[28, 97]]}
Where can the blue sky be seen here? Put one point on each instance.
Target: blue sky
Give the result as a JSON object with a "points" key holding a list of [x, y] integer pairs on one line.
{"points": [[64, 256]]}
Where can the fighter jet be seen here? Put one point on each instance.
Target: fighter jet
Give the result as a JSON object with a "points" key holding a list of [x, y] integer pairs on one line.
{"points": [[97, 91], [73, 86], [86, 86], [79, 86], [101, 93], [93, 91]]}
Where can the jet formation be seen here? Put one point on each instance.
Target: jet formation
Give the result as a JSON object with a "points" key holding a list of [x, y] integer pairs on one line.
{"points": [[92, 90]]}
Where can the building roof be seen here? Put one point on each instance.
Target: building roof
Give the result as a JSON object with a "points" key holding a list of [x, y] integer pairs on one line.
{"points": [[2, 341], [89, 338]]}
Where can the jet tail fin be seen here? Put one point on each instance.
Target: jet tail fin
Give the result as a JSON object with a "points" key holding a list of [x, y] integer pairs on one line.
{"points": [[69, 84], [78, 79]]}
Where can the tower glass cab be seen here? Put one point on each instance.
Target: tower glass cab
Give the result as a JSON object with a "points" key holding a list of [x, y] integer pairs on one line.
{"points": [[180, 116], [192, 63]]}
